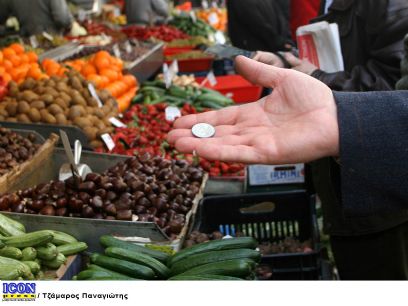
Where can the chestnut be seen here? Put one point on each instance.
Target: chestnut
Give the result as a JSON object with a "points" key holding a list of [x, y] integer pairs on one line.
{"points": [[13, 199], [110, 209], [48, 210], [62, 202], [4, 203], [61, 212], [137, 195], [111, 195], [17, 208], [101, 193], [87, 211], [96, 202], [139, 209], [75, 205], [124, 215], [37, 205], [144, 202], [87, 186], [176, 226]]}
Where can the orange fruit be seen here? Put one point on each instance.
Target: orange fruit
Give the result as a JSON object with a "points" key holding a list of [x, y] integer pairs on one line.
{"points": [[2, 70], [24, 58], [7, 65], [104, 81], [129, 80], [88, 69], [1, 56], [101, 63], [94, 78], [7, 52], [111, 74], [18, 48], [15, 60], [6, 77], [34, 72], [32, 56]]}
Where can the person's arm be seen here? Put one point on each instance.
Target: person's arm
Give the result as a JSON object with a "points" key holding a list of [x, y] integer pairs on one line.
{"points": [[385, 48], [161, 7], [373, 151], [61, 14]]}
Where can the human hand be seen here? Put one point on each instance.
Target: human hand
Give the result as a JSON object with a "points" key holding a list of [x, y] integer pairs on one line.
{"points": [[301, 65], [268, 58], [296, 123]]}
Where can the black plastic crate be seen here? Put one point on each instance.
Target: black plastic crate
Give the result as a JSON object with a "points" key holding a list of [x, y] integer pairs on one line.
{"points": [[268, 217]]}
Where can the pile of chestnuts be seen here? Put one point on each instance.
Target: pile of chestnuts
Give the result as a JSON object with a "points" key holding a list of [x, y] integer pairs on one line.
{"points": [[143, 188]]}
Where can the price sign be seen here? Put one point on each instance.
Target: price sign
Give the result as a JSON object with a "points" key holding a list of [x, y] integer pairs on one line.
{"points": [[107, 139], [193, 16], [81, 15], [261, 175], [33, 41], [128, 47], [93, 93], [211, 78], [174, 68], [116, 50], [220, 38], [167, 75], [204, 4], [47, 36], [171, 113], [116, 122], [213, 18]]}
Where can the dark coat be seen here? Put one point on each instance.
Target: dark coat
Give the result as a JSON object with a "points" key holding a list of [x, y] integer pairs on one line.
{"points": [[259, 24]]}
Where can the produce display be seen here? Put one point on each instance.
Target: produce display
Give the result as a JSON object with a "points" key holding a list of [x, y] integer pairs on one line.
{"points": [[230, 259], [189, 42], [163, 32], [141, 189], [45, 43], [192, 28], [15, 149], [16, 64], [105, 71], [57, 100], [97, 28], [28, 256], [200, 98], [147, 131], [195, 54], [215, 17]]}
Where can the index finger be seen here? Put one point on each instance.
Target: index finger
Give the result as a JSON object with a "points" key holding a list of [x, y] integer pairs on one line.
{"points": [[225, 116]]}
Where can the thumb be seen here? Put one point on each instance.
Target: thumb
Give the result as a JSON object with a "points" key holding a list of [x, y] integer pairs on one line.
{"points": [[258, 73], [292, 60]]}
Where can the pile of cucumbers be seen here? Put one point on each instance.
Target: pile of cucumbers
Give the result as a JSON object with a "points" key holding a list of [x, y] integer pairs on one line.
{"points": [[192, 27], [155, 92], [229, 259], [24, 255]]}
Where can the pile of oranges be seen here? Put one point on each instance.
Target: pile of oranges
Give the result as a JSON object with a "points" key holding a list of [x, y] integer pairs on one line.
{"points": [[105, 71], [17, 65]]}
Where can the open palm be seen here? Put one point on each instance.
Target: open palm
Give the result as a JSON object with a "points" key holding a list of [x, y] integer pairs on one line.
{"points": [[296, 123]]}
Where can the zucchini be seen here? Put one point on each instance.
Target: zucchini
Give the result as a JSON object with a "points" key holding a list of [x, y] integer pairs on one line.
{"points": [[177, 91], [72, 248], [10, 227], [219, 99], [110, 241], [29, 254], [47, 252], [55, 263], [113, 273], [204, 277], [214, 256], [233, 267], [2, 245], [100, 275], [34, 266], [61, 238], [123, 266], [160, 269], [11, 252], [10, 267], [215, 245], [29, 240]]}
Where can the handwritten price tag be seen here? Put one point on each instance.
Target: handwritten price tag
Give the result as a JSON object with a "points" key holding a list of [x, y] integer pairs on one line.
{"points": [[93, 93], [116, 122], [107, 139], [171, 113]]}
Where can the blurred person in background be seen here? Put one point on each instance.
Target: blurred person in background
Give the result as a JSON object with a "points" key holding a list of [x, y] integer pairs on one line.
{"points": [[371, 35], [259, 24], [37, 16], [146, 11]]}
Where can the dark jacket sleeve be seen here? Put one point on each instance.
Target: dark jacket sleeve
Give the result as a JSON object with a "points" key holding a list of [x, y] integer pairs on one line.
{"points": [[61, 14], [385, 47], [373, 153]]}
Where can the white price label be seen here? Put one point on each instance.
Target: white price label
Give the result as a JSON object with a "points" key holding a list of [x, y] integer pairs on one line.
{"points": [[174, 68], [168, 79], [47, 36], [193, 16], [128, 47], [93, 93], [211, 37], [211, 78], [172, 113], [213, 18], [81, 15], [33, 41], [220, 38], [116, 50], [214, 4], [260, 175], [204, 4], [116, 122], [116, 12], [107, 139]]}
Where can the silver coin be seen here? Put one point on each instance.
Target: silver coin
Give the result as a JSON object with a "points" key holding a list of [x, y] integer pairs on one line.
{"points": [[203, 130]]}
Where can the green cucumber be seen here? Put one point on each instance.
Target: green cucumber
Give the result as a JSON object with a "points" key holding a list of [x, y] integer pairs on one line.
{"points": [[205, 277], [34, 266], [10, 267], [47, 252], [29, 240], [55, 263], [61, 238], [215, 245], [211, 104], [219, 99], [213, 256], [113, 273], [29, 254], [234, 267], [100, 275], [110, 241], [10, 227], [11, 252], [137, 99], [177, 91], [123, 266], [160, 269], [72, 248]]}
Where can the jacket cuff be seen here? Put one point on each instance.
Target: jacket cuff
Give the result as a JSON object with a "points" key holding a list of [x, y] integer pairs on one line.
{"points": [[317, 74]]}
